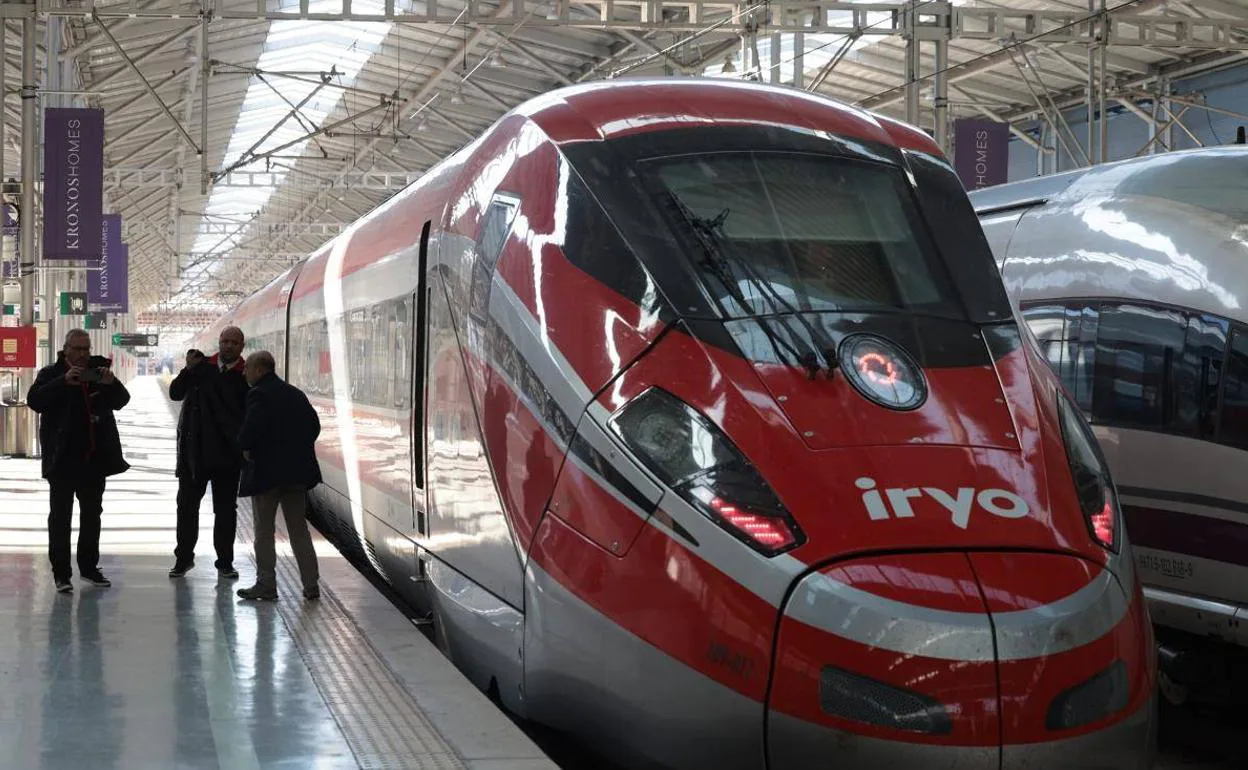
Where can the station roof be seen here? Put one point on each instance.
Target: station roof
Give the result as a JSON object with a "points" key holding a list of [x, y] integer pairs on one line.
{"points": [[317, 110]]}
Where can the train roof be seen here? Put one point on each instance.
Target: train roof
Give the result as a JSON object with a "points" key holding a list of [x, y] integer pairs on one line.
{"points": [[1039, 190], [607, 109], [1169, 229]]}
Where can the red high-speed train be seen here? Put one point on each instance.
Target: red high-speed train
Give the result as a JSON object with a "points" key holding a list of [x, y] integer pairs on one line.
{"points": [[698, 414]]}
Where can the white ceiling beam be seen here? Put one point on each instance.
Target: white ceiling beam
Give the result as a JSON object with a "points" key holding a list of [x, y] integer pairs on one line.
{"points": [[994, 31], [667, 15], [100, 82], [139, 177]]}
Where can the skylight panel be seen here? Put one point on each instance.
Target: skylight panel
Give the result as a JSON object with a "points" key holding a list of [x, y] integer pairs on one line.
{"points": [[295, 45]]}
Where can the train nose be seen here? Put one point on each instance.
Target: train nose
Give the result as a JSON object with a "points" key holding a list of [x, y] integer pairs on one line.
{"points": [[975, 660]]}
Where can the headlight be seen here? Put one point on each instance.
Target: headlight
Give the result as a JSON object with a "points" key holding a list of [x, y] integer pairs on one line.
{"points": [[693, 457], [1098, 500], [882, 372]]}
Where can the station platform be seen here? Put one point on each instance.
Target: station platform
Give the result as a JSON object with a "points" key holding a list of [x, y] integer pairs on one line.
{"points": [[155, 672]]}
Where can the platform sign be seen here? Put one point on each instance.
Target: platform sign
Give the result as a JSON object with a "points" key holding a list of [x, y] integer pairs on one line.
{"points": [[108, 288], [9, 310], [96, 321], [17, 347], [73, 183], [981, 152], [136, 340], [73, 303]]}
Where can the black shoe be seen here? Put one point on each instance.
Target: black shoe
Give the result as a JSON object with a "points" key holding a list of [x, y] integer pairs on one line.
{"points": [[97, 579], [181, 568], [312, 594], [229, 573], [63, 586], [258, 594]]}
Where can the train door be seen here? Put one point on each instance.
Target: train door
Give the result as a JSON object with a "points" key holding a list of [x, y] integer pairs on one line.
{"points": [[420, 304]]}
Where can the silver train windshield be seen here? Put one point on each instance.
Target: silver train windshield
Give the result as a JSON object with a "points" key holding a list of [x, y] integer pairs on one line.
{"points": [[777, 232]]}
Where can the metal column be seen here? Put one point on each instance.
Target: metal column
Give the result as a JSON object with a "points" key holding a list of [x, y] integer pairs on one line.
{"points": [[1044, 135], [53, 279], [4, 91], [799, 60], [940, 102], [912, 63], [1152, 127], [1091, 88], [25, 434], [774, 65], [1103, 75], [205, 68], [1167, 89]]}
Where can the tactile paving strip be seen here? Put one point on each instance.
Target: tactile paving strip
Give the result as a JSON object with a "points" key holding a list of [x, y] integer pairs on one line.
{"points": [[379, 719]]}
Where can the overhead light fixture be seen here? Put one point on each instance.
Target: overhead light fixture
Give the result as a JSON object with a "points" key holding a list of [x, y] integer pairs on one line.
{"points": [[496, 61], [457, 97]]}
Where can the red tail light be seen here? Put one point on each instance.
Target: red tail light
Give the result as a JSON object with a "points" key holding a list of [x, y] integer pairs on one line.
{"points": [[771, 533], [1093, 486], [1103, 524]]}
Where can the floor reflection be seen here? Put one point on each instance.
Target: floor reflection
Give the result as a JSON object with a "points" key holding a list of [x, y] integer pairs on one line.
{"points": [[153, 672]]}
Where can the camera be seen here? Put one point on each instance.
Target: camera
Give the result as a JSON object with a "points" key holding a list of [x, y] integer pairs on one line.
{"points": [[94, 371]]}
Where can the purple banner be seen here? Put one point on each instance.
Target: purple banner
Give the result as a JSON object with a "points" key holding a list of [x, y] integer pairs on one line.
{"points": [[73, 183], [107, 288], [981, 152]]}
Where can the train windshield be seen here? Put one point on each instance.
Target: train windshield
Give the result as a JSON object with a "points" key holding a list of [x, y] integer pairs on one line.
{"points": [[777, 232]]}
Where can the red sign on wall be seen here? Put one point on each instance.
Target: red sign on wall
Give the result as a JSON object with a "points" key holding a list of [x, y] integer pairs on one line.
{"points": [[17, 347]]}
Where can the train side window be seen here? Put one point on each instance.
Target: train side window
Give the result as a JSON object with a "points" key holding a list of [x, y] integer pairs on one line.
{"points": [[1066, 334], [494, 228], [1136, 347], [1233, 426], [1195, 377], [402, 351]]}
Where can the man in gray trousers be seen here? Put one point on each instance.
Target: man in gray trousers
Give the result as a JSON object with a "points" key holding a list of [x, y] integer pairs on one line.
{"points": [[278, 441]]}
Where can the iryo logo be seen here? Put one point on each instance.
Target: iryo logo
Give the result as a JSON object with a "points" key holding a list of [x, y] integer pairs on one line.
{"points": [[998, 502]]}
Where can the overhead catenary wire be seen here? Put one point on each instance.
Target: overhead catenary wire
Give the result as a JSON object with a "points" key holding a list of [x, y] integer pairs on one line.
{"points": [[1009, 47]]}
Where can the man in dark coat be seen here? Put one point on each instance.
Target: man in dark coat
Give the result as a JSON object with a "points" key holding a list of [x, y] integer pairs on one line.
{"points": [[213, 392], [278, 440], [75, 399]]}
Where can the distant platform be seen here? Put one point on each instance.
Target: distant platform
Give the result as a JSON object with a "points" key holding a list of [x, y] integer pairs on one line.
{"points": [[168, 673]]}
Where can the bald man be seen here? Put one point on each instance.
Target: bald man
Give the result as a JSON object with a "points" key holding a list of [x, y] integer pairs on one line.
{"points": [[278, 439], [213, 392]]}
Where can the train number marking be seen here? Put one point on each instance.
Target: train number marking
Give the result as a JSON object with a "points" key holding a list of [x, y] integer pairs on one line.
{"points": [[1173, 568], [739, 663], [998, 502]]}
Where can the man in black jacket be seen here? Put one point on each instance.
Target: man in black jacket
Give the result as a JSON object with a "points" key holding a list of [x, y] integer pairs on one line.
{"points": [[75, 399], [213, 392], [278, 440]]}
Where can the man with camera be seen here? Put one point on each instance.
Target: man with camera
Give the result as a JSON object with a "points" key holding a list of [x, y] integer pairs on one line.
{"points": [[213, 393], [75, 399]]}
